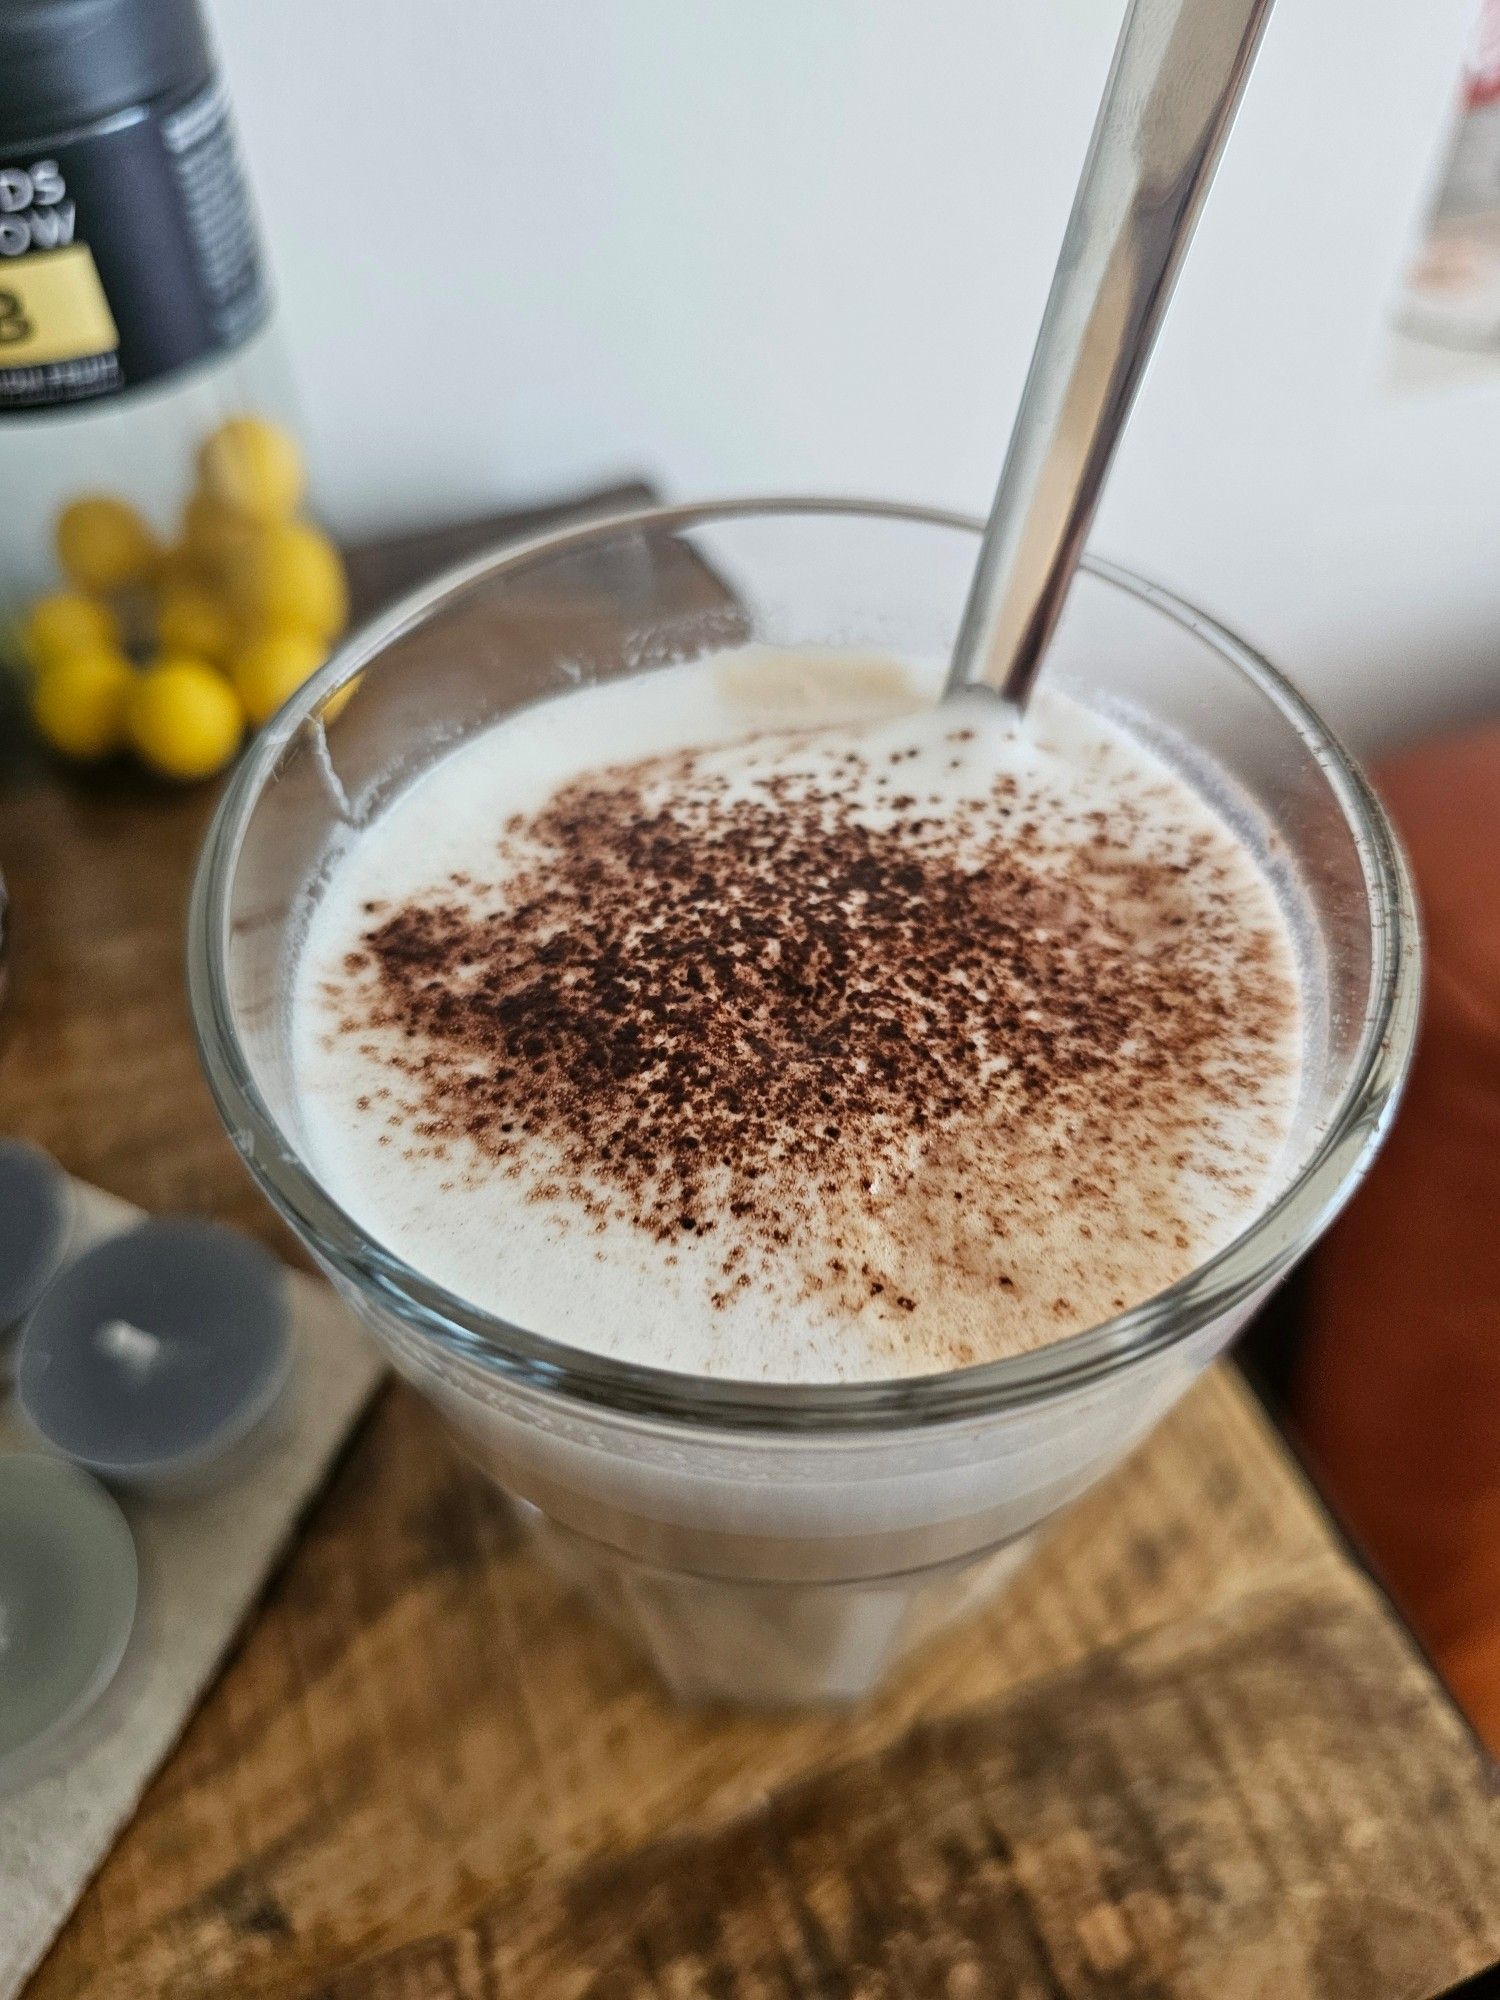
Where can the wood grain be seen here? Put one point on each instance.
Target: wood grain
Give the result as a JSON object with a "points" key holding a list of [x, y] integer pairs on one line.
{"points": [[1190, 1752]]}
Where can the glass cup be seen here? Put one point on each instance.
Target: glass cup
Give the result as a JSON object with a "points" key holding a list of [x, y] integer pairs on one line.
{"points": [[772, 1543]]}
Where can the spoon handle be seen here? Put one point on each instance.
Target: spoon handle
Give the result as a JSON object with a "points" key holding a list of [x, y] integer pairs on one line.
{"points": [[1178, 71]]}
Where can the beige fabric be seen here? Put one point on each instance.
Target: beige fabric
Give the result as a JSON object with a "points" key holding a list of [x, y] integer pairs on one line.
{"points": [[203, 1561]]}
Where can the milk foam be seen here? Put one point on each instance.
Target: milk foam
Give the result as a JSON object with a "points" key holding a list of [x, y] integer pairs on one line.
{"points": [[1033, 1206]]}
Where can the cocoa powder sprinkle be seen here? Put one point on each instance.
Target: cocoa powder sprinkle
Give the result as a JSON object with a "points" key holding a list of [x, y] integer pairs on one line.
{"points": [[869, 1047]]}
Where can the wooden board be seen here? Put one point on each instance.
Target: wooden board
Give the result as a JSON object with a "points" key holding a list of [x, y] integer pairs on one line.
{"points": [[1190, 1753]]}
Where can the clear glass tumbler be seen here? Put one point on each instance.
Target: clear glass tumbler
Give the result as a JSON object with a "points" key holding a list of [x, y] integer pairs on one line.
{"points": [[769, 1543]]}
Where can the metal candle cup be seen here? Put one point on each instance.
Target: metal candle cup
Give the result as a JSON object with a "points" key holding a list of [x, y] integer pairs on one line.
{"points": [[155, 1357], [68, 1581], [36, 1216]]}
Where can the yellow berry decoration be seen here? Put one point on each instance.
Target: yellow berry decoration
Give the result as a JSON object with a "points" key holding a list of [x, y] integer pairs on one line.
{"points": [[268, 669], [78, 703], [184, 718], [103, 544], [213, 537], [253, 468], [290, 578], [67, 623], [177, 568], [333, 705], [195, 620]]}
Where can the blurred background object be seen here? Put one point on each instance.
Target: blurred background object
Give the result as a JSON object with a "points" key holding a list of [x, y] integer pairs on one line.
{"points": [[1452, 292], [1396, 1391], [161, 590]]}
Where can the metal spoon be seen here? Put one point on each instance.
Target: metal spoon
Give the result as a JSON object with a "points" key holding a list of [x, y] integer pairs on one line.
{"points": [[1178, 71]]}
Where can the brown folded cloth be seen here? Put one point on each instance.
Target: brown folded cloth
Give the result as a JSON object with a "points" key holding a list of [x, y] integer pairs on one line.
{"points": [[1397, 1396]]}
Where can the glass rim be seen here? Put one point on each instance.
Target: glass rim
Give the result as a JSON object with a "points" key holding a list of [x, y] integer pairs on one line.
{"points": [[466, 1333]]}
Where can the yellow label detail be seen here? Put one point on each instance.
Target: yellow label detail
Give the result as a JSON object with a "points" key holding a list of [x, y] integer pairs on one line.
{"points": [[53, 308]]}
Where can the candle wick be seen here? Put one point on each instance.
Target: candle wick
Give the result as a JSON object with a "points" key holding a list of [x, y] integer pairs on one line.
{"points": [[137, 1351]]}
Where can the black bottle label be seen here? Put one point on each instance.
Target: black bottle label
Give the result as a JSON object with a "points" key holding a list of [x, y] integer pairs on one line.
{"points": [[126, 253]]}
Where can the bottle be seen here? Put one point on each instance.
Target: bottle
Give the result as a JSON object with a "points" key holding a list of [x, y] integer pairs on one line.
{"points": [[135, 314]]}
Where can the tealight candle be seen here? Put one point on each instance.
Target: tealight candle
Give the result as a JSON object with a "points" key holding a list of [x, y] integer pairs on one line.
{"points": [[158, 1352], [36, 1212], [67, 1603]]}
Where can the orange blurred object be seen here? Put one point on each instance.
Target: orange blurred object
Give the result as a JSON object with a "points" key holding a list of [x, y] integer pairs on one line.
{"points": [[1398, 1392]]}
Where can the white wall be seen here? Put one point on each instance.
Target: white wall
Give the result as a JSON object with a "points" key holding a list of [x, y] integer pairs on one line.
{"points": [[804, 244]]}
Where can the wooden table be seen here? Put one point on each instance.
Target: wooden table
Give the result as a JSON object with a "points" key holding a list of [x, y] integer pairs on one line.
{"points": [[1191, 1752]]}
